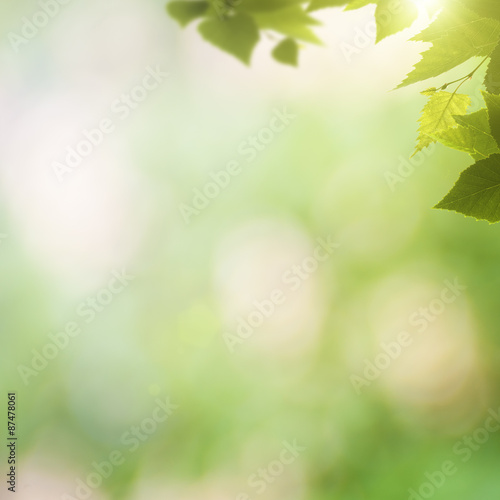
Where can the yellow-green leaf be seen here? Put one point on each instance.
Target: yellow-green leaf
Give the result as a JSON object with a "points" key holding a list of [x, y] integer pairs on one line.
{"points": [[438, 115]]}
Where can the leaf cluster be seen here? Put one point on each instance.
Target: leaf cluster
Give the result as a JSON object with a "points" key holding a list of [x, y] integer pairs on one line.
{"points": [[461, 31]]}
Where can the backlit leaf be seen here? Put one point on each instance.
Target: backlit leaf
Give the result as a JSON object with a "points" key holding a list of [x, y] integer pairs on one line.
{"points": [[438, 115]]}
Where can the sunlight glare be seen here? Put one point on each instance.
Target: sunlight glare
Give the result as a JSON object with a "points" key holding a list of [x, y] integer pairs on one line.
{"points": [[429, 7]]}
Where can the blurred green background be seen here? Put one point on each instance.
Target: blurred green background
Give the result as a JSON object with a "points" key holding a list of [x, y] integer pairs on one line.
{"points": [[163, 336]]}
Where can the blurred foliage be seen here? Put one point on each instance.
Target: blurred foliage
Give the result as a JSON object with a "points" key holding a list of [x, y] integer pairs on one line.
{"points": [[326, 174]]}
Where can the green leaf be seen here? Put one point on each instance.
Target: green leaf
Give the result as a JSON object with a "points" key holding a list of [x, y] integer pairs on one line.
{"points": [[236, 35], [357, 4], [472, 135], [493, 104], [287, 52], [477, 191], [185, 11], [477, 120], [454, 44], [479, 123], [323, 4], [486, 8], [393, 17], [262, 5], [291, 21], [438, 116], [448, 19], [492, 79]]}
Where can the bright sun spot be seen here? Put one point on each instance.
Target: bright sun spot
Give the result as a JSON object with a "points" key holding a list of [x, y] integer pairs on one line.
{"points": [[427, 4]]}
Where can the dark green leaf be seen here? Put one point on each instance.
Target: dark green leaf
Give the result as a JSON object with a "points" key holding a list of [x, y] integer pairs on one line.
{"points": [[287, 52], [493, 104], [263, 5], [492, 79], [185, 11], [477, 191]]}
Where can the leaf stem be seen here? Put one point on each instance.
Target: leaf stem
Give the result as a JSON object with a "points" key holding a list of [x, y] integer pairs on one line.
{"points": [[464, 78]]}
